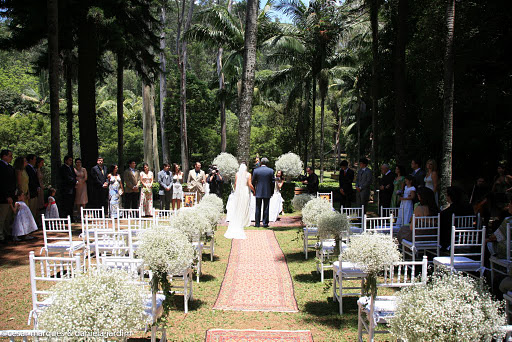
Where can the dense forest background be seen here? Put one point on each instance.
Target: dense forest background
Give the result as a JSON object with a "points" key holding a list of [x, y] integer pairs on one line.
{"points": [[311, 59]]}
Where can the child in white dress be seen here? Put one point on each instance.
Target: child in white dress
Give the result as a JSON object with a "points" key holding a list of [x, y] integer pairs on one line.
{"points": [[51, 210], [24, 222]]}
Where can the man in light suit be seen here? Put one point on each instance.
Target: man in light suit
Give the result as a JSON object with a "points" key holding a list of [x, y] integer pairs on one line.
{"points": [[363, 183], [99, 184], [165, 181], [7, 190], [131, 190], [263, 181], [196, 180]]}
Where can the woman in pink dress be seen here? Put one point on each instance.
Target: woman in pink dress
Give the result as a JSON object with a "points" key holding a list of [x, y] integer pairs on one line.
{"points": [[81, 185], [146, 194]]}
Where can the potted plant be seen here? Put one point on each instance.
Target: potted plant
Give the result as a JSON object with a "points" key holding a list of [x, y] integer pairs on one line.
{"points": [[291, 166]]}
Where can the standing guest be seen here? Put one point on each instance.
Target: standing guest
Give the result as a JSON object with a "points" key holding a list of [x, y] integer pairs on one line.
{"points": [[7, 191], [386, 186], [406, 202], [132, 180], [276, 201], [427, 207], [177, 188], [51, 210], [432, 178], [363, 183], [418, 173], [346, 178], [33, 186], [22, 179], [146, 195], [81, 185], [215, 181], [115, 190], [500, 235], [24, 222], [165, 192], [196, 180], [501, 185], [99, 187], [398, 186], [67, 187], [40, 178], [311, 181], [458, 206]]}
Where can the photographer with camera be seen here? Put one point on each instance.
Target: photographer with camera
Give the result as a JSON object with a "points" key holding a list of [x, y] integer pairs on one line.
{"points": [[215, 180]]}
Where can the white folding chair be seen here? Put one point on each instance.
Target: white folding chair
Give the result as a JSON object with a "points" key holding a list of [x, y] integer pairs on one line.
{"points": [[210, 244], [189, 199], [136, 226], [508, 302], [113, 249], [94, 220], [325, 255], [326, 195], [396, 212], [466, 222], [124, 214], [45, 271], [343, 271], [380, 225], [199, 246], [58, 237], [425, 237], [502, 266], [163, 217], [355, 215], [379, 310], [466, 251], [310, 238], [182, 284]]}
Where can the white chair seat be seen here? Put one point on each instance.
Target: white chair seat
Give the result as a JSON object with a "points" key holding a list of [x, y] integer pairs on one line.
{"points": [[311, 230], [198, 245], [356, 230], [385, 307], [348, 268], [327, 245], [460, 263], [148, 304], [419, 244], [65, 245], [501, 262]]}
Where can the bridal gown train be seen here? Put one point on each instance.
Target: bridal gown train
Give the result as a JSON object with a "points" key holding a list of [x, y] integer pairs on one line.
{"points": [[238, 210]]}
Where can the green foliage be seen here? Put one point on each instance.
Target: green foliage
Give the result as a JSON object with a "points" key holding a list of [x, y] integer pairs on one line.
{"points": [[287, 192]]}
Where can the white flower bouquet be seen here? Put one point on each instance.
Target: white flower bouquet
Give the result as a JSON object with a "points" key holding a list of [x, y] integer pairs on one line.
{"points": [[211, 213], [227, 165], [165, 250], [192, 223], [290, 164], [98, 302], [332, 224], [372, 252], [214, 201], [450, 308], [299, 201], [313, 209]]}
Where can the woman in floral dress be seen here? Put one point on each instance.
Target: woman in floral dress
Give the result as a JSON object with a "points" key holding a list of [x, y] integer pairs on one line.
{"points": [[146, 194], [115, 190]]}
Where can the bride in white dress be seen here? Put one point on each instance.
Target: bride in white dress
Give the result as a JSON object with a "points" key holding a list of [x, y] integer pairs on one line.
{"points": [[238, 211]]}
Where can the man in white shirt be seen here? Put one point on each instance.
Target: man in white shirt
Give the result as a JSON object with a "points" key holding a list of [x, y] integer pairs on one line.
{"points": [[165, 192], [196, 180]]}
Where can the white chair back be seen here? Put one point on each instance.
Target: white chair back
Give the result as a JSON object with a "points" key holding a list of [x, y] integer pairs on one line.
{"points": [[381, 225], [326, 195], [396, 212], [111, 245], [466, 222], [163, 217], [56, 230], [403, 273], [92, 213], [468, 243], [355, 216], [124, 214], [45, 271], [425, 229]]}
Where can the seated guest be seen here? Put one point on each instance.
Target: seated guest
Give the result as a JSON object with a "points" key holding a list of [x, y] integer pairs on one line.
{"points": [[427, 207], [499, 237], [459, 207], [311, 181]]}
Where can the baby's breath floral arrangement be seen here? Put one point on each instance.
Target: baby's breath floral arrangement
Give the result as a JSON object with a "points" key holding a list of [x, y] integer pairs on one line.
{"points": [[450, 308], [299, 201], [165, 250], [211, 213], [314, 209], [214, 201], [227, 165], [332, 224], [102, 301], [372, 252], [192, 223], [290, 164]]}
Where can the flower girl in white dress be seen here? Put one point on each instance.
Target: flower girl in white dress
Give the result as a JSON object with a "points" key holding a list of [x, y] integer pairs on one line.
{"points": [[51, 210], [24, 222]]}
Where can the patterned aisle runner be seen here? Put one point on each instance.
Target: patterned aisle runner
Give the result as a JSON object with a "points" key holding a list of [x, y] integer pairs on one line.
{"points": [[219, 335], [257, 277]]}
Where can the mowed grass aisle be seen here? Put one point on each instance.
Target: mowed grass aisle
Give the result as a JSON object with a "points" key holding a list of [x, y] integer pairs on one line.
{"points": [[317, 312]]}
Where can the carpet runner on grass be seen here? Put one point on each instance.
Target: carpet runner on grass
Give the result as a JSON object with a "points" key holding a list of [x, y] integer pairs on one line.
{"points": [[257, 277], [284, 221], [219, 335]]}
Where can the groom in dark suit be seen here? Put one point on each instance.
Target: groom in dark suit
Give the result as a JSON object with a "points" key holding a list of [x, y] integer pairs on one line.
{"points": [[99, 186], [263, 180]]}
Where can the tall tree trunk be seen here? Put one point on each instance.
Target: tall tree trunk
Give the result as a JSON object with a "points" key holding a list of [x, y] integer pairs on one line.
{"points": [[163, 90], [249, 70], [322, 133], [53, 64], [358, 120], [400, 81], [120, 111], [222, 97], [87, 59], [306, 111], [446, 164], [154, 137], [313, 125], [374, 20], [337, 115], [147, 122], [183, 94], [69, 107]]}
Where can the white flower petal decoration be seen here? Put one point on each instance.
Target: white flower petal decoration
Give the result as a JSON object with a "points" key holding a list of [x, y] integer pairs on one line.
{"points": [[332, 224], [290, 164], [227, 165], [192, 223], [313, 209], [299, 201]]}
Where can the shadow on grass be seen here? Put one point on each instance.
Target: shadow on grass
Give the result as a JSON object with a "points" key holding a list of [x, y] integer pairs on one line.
{"points": [[193, 305], [206, 257], [296, 257], [327, 313], [312, 277], [206, 277]]}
